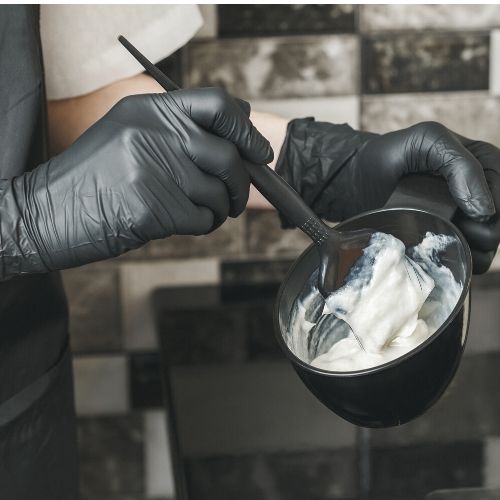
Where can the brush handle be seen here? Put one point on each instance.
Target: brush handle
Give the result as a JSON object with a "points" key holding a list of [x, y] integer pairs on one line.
{"points": [[288, 202], [272, 186]]}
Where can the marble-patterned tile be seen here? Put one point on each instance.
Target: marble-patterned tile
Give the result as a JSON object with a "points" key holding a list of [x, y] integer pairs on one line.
{"points": [[101, 385], [237, 272], [491, 462], [473, 114], [266, 237], [111, 457], [172, 66], [495, 62], [145, 380], [94, 307], [276, 68], [227, 240], [272, 20], [413, 472], [417, 17], [210, 21], [343, 109], [425, 62], [159, 480], [280, 476], [139, 279], [245, 408]]}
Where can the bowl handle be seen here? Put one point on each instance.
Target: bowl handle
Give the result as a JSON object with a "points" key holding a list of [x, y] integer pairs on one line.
{"points": [[425, 192]]}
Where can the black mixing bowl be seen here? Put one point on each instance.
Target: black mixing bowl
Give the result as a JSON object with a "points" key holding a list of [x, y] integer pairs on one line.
{"points": [[397, 391]]}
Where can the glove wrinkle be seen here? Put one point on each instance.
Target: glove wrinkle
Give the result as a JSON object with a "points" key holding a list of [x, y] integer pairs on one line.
{"points": [[340, 172]]}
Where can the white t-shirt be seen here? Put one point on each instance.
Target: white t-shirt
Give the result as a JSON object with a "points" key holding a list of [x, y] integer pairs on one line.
{"points": [[80, 47]]}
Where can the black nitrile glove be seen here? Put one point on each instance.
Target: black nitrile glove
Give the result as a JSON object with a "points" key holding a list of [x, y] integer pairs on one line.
{"points": [[341, 172], [155, 165]]}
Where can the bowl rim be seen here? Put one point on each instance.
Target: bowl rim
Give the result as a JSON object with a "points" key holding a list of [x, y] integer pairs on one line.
{"points": [[389, 364]]}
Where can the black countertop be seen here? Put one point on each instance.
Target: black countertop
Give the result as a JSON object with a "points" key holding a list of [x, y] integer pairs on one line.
{"points": [[243, 425]]}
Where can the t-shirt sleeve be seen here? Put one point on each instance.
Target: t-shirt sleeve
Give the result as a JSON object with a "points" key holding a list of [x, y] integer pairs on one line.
{"points": [[80, 47]]}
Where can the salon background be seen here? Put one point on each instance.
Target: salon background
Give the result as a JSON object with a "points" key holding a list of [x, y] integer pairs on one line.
{"points": [[376, 67]]}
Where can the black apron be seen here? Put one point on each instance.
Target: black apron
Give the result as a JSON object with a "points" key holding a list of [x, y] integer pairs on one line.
{"points": [[38, 452]]}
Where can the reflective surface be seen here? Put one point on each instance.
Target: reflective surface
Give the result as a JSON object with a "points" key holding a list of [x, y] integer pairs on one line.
{"points": [[247, 428]]}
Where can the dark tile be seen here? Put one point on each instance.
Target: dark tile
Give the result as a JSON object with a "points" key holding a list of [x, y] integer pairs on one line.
{"points": [[418, 470], [272, 20], [266, 237], [293, 476], [424, 62], [227, 240], [262, 343], [172, 67], [145, 380], [215, 335], [111, 456], [94, 306], [468, 411], [274, 68], [254, 271]]}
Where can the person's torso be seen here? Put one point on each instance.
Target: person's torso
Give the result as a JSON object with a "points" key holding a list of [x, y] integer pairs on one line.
{"points": [[33, 313]]}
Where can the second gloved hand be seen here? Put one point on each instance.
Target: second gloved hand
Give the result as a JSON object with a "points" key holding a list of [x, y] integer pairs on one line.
{"points": [[341, 172], [155, 165]]}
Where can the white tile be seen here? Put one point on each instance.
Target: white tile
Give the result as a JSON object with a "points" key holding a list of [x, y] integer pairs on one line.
{"points": [[101, 385], [495, 62], [344, 109], [491, 463], [209, 28], [159, 479], [447, 17], [473, 114], [139, 279]]}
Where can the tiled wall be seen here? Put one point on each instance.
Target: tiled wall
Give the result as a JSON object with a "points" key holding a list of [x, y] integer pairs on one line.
{"points": [[378, 67]]}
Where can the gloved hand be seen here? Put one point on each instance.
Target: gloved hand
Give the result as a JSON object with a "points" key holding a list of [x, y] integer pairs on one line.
{"points": [[340, 172], [155, 165]]}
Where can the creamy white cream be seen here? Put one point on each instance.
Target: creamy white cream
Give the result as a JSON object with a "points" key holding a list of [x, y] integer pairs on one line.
{"points": [[393, 299]]}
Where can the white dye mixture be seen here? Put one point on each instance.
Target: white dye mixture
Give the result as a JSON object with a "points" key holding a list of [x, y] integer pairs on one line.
{"points": [[393, 299]]}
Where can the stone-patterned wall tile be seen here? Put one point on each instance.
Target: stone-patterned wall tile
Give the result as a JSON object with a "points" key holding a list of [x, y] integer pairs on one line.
{"points": [[94, 305], [272, 20], [101, 385], [270, 68], [344, 109], [266, 237], [139, 279], [111, 457], [210, 21], [145, 380], [158, 464], [423, 62], [172, 66], [238, 272], [408, 17], [473, 114], [227, 240], [495, 62], [491, 462]]}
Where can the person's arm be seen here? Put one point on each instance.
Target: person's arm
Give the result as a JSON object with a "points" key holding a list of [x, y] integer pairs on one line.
{"points": [[70, 118]]}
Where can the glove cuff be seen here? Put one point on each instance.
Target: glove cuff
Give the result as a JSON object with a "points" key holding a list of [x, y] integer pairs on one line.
{"points": [[312, 156]]}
